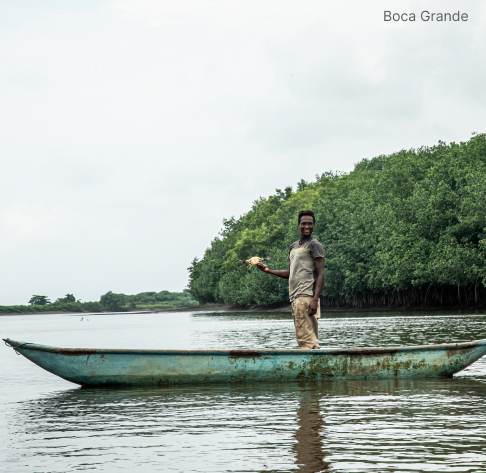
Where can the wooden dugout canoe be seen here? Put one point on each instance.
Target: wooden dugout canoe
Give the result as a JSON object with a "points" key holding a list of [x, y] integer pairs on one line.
{"points": [[112, 367]]}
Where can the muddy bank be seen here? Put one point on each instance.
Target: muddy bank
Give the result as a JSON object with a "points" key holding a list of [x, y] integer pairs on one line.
{"points": [[340, 310], [264, 309], [224, 308], [42, 313]]}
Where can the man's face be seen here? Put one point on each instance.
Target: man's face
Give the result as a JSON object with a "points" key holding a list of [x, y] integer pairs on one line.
{"points": [[306, 225]]}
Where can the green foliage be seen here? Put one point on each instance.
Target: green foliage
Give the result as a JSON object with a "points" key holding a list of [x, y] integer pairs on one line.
{"points": [[91, 306], [412, 219], [67, 298], [161, 299], [39, 300], [112, 301], [109, 301], [55, 306]]}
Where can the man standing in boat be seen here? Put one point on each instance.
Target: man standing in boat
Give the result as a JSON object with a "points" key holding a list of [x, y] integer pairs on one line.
{"points": [[306, 279]]}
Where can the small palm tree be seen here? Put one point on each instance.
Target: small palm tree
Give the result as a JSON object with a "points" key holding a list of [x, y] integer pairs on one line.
{"points": [[39, 300], [67, 298]]}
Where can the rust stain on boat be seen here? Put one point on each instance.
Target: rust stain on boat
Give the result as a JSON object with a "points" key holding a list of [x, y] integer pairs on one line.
{"points": [[244, 354], [77, 351]]}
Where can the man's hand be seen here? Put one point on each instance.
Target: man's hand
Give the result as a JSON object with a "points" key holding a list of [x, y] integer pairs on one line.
{"points": [[266, 269], [263, 267], [313, 304]]}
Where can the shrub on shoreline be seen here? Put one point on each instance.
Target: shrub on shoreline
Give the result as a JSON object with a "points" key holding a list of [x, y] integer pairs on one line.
{"points": [[108, 302]]}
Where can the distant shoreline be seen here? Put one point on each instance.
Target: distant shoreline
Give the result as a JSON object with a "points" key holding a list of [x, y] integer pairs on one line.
{"points": [[232, 309]]}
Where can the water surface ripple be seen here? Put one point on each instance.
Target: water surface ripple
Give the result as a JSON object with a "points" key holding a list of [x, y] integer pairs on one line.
{"points": [[50, 425]]}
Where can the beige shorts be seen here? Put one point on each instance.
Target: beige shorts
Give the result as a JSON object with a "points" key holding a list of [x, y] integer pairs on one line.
{"points": [[305, 324]]}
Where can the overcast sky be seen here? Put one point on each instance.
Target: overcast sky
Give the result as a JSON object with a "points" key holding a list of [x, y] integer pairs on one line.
{"points": [[130, 129]]}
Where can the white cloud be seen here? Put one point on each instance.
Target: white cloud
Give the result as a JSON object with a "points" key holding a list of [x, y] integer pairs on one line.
{"points": [[268, 17], [135, 127], [35, 222]]}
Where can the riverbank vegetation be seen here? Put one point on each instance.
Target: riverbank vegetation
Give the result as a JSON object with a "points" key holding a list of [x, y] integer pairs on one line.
{"points": [[108, 302], [403, 230]]}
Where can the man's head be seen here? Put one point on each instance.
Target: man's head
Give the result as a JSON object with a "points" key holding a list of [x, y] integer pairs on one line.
{"points": [[306, 222]]}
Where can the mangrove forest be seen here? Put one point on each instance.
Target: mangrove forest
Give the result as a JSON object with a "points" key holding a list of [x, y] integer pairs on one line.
{"points": [[403, 230]]}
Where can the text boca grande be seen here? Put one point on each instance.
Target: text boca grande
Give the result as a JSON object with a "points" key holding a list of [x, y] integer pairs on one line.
{"points": [[425, 16]]}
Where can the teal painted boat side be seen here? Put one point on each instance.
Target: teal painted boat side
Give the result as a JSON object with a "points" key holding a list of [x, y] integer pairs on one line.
{"points": [[104, 367]]}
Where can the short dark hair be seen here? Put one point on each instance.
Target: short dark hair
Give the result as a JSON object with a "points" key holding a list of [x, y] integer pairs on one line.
{"points": [[309, 213]]}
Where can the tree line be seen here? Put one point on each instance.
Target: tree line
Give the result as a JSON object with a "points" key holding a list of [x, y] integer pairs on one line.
{"points": [[108, 302], [406, 229]]}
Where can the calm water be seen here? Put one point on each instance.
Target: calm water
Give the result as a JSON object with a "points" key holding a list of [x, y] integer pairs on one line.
{"points": [[50, 425]]}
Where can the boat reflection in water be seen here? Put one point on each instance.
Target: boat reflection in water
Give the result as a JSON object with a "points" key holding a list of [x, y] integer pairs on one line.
{"points": [[307, 427], [309, 452]]}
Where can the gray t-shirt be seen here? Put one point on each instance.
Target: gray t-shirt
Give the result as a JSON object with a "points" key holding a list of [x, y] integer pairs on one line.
{"points": [[302, 279]]}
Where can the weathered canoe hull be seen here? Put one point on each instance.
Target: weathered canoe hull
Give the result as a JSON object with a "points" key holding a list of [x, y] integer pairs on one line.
{"points": [[105, 367]]}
